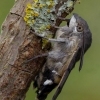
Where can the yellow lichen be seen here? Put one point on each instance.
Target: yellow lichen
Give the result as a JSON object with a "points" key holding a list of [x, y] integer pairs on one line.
{"points": [[41, 5], [48, 10], [36, 14], [35, 1], [33, 21], [29, 6], [48, 26], [35, 5], [25, 18], [51, 4]]}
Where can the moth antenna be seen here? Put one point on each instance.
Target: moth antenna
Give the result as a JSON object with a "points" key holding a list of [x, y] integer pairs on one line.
{"points": [[35, 57]]}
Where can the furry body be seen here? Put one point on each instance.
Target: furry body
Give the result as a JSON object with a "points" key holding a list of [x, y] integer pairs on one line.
{"points": [[66, 39]]}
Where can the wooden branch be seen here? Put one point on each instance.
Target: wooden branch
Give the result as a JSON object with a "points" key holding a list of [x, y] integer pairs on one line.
{"points": [[17, 45]]}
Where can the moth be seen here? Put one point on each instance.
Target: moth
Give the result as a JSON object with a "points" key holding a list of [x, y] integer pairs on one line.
{"points": [[70, 45]]}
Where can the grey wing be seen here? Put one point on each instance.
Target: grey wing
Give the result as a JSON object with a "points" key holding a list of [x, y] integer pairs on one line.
{"points": [[78, 56], [65, 77]]}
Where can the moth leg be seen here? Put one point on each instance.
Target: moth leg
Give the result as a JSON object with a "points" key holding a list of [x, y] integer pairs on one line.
{"points": [[39, 35], [50, 39], [61, 84], [38, 56], [63, 19], [57, 40]]}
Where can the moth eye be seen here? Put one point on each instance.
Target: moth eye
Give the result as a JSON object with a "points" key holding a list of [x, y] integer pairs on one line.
{"points": [[79, 28]]}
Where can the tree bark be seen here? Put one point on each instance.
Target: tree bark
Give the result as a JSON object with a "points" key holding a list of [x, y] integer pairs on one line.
{"points": [[17, 45]]}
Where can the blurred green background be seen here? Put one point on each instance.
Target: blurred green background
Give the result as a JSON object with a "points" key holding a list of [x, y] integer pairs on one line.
{"points": [[84, 85]]}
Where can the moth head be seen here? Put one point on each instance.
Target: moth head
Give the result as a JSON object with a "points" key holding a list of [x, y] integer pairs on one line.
{"points": [[78, 24]]}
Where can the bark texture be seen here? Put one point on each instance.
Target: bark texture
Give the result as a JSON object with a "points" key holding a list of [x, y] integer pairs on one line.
{"points": [[17, 45]]}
